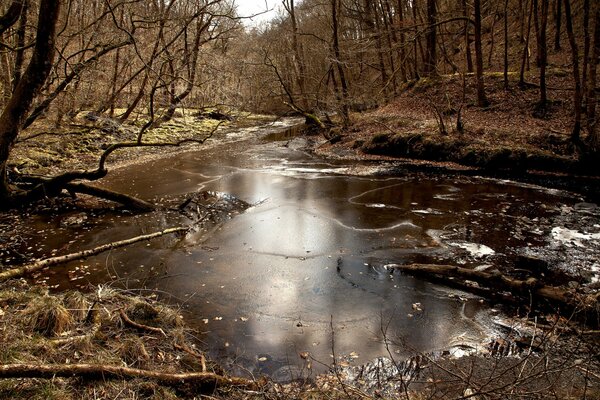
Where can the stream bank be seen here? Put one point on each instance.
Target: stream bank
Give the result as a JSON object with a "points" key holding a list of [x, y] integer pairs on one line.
{"points": [[355, 220]]}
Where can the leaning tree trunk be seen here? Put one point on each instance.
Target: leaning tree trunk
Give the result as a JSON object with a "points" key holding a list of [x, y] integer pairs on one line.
{"points": [[14, 113]]}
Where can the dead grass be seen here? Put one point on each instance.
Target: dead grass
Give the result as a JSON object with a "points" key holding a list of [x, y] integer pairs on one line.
{"points": [[42, 328]]}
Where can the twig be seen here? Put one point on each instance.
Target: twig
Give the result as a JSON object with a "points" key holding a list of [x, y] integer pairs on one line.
{"points": [[335, 368], [193, 353]]}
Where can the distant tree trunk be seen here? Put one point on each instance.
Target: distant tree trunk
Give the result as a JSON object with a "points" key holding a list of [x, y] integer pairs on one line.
{"points": [[536, 24], [543, 53], [31, 82], [575, 135], [113, 86], [431, 55], [298, 54], [402, 51], [525, 49], [338, 61], [557, 24], [391, 40], [373, 16], [505, 44], [468, 55], [482, 100], [416, 41], [592, 120], [586, 47]]}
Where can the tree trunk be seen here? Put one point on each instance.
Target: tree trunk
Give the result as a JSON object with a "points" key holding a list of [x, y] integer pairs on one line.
{"points": [[469, 57], [577, 98], [338, 61], [402, 51], [592, 120], [586, 48], [482, 100], [11, 16], [543, 53], [506, 44], [14, 113], [298, 56], [525, 49], [536, 25], [431, 55], [20, 54], [557, 23]]}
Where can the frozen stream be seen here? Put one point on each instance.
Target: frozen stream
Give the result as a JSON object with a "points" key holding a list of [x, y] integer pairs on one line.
{"points": [[266, 285]]}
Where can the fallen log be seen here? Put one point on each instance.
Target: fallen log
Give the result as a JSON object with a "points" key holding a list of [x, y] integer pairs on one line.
{"points": [[529, 288], [52, 261], [128, 201], [99, 371]]}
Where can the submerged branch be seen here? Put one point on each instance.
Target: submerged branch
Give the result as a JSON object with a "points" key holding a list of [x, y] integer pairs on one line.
{"points": [[53, 261], [529, 288]]}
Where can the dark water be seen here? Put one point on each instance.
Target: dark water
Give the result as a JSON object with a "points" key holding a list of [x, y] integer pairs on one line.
{"points": [[311, 254]]}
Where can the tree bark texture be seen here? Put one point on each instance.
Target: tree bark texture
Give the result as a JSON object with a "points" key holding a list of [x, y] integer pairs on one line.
{"points": [[14, 113]]}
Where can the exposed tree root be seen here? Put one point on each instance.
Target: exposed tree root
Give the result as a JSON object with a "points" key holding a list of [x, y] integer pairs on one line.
{"points": [[529, 288], [52, 261], [93, 371], [193, 353], [129, 322]]}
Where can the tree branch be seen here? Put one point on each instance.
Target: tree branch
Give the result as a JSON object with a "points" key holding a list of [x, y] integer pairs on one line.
{"points": [[94, 371], [53, 261]]}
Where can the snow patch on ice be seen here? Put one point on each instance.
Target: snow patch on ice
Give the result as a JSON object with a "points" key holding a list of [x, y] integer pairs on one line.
{"points": [[570, 237], [475, 249]]}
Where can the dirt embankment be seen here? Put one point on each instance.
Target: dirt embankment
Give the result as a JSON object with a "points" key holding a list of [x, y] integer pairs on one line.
{"points": [[434, 120]]}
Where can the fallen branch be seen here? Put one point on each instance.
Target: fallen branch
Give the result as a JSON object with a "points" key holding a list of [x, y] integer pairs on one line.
{"points": [[129, 322], [52, 261], [121, 198], [93, 371], [526, 288]]}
